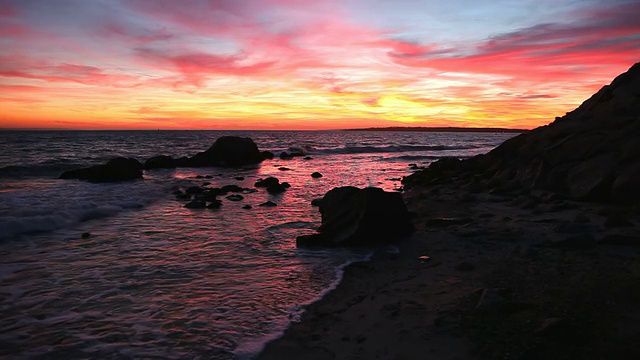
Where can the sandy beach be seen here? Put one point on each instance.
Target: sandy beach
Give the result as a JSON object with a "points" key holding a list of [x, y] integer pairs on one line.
{"points": [[518, 275]]}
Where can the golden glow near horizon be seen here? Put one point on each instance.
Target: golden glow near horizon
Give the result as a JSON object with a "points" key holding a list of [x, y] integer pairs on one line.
{"points": [[299, 64]]}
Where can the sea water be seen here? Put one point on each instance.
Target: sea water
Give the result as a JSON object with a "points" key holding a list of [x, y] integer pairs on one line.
{"points": [[155, 279]]}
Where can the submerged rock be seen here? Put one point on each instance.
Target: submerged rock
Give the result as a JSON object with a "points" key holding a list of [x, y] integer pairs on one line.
{"points": [[356, 217], [316, 175], [118, 169]]}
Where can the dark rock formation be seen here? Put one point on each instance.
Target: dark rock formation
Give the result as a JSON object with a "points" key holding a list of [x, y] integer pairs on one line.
{"points": [[266, 155], [235, 197], [285, 156], [231, 188], [160, 162], [216, 204], [267, 182], [193, 190], [592, 153], [356, 217], [277, 188], [118, 169], [293, 152], [196, 204], [316, 175], [228, 151]]}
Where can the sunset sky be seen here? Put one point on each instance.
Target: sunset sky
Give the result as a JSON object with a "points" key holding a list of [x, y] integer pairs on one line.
{"points": [[306, 64]]}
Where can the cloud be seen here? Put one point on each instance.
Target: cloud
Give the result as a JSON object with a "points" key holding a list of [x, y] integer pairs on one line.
{"points": [[605, 36], [81, 74]]}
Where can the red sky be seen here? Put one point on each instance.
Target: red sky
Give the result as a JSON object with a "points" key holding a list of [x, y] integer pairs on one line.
{"points": [[300, 64]]}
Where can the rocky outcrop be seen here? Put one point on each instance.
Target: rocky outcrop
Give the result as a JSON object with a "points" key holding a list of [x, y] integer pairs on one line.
{"points": [[117, 169], [359, 217], [228, 151], [591, 154], [160, 162]]}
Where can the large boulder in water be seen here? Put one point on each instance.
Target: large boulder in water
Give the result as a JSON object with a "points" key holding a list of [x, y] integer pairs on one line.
{"points": [[360, 217], [118, 169], [591, 154], [228, 151], [160, 162]]}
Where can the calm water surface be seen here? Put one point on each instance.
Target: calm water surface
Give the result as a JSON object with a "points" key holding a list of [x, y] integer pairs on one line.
{"points": [[156, 279]]}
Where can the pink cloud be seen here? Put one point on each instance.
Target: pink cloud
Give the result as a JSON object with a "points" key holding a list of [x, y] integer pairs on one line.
{"points": [[607, 37], [72, 73]]}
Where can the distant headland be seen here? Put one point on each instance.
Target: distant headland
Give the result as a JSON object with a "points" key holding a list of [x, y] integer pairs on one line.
{"points": [[440, 129]]}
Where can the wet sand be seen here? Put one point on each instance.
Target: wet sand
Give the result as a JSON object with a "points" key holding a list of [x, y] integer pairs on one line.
{"points": [[523, 275]]}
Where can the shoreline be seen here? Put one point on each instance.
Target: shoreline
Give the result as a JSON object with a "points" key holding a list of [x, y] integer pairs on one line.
{"points": [[520, 275]]}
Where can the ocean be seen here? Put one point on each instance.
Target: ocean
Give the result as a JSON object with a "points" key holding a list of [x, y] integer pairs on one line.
{"points": [[158, 280]]}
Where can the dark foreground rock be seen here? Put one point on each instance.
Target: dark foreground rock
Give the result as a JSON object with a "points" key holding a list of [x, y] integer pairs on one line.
{"points": [[118, 169], [359, 217], [590, 154], [228, 151]]}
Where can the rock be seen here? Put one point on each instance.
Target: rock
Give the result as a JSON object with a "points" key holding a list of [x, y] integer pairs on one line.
{"points": [[196, 204], [274, 189], [285, 156], [267, 182], [231, 188], [297, 151], [86, 235], [247, 207], [625, 189], [268, 204], [160, 162], [183, 196], [193, 190], [307, 158], [216, 204], [316, 202], [235, 197], [118, 169], [591, 179], [266, 155], [228, 151], [355, 217], [282, 168], [239, 178], [316, 175]]}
